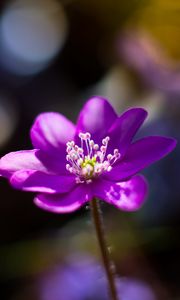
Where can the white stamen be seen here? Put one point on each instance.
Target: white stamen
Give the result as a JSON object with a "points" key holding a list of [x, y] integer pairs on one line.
{"points": [[96, 147], [90, 160]]}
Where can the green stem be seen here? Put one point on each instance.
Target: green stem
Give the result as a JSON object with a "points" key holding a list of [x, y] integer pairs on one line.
{"points": [[108, 265]]}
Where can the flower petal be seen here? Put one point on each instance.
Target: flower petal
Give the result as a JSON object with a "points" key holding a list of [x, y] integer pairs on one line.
{"points": [[128, 195], [96, 117], [19, 160], [64, 203], [54, 164], [124, 128], [36, 181], [140, 155], [51, 131]]}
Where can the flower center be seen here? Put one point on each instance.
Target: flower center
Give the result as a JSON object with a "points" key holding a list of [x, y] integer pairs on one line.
{"points": [[89, 160]]}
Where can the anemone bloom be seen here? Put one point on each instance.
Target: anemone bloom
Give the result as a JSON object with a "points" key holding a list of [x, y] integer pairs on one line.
{"points": [[71, 165]]}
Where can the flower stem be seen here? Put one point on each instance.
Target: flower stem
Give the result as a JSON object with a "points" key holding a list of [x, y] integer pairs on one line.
{"points": [[108, 265]]}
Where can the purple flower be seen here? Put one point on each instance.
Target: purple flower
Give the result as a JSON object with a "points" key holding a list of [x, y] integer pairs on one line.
{"points": [[96, 158], [145, 56], [85, 279]]}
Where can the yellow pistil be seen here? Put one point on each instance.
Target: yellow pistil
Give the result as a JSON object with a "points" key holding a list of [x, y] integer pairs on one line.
{"points": [[88, 161], [88, 167]]}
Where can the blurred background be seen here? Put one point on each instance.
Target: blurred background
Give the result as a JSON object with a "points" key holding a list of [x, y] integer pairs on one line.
{"points": [[54, 56]]}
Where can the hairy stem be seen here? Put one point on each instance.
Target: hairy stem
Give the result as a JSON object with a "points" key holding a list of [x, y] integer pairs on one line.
{"points": [[108, 265]]}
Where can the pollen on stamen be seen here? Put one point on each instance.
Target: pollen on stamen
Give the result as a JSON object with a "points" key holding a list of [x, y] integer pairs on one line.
{"points": [[96, 147], [109, 156], [91, 143]]}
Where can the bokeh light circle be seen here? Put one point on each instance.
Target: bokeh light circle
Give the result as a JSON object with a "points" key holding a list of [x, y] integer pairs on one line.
{"points": [[31, 33]]}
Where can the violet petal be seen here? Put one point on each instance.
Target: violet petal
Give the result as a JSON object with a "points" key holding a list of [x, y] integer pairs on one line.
{"points": [[96, 117], [64, 203], [141, 154], [15, 161], [128, 195], [51, 131], [124, 128], [36, 181], [54, 162]]}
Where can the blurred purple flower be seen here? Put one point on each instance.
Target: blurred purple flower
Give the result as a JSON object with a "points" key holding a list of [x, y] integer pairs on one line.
{"points": [[146, 57], [96, 158], [82, 278]]}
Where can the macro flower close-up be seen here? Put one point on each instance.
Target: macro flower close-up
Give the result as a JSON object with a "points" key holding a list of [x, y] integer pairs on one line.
{"points": [[96, 158]]}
